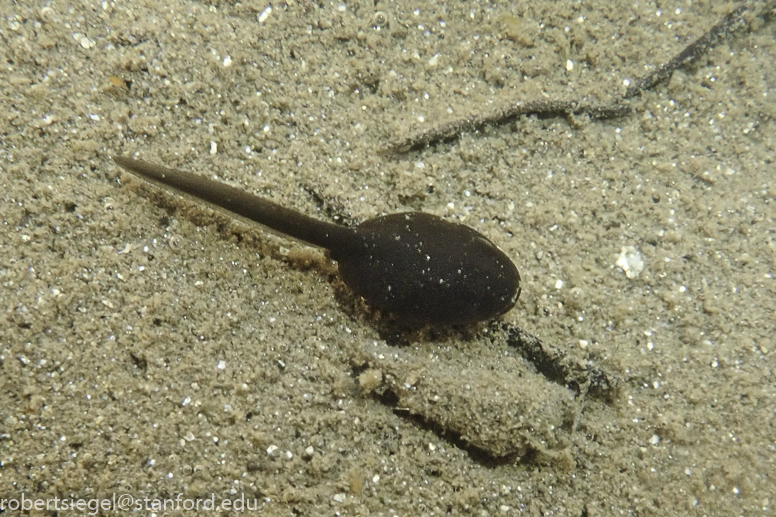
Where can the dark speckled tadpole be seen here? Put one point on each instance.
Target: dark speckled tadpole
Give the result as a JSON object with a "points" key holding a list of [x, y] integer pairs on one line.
{"points": [[416, 266]]}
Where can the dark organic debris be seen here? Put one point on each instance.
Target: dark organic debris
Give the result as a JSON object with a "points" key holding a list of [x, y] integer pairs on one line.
{"points": [[559, 367], [452, 130]]}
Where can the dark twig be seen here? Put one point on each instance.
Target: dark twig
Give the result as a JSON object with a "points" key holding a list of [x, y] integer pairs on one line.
{"points": [[453, 129], [693, 51]]}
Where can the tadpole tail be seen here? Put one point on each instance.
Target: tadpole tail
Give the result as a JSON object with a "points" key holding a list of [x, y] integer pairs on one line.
{"points": [[258, 209]]}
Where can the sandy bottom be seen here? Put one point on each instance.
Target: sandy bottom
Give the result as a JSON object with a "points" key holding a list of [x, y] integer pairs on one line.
{"points": [[153, 348]]}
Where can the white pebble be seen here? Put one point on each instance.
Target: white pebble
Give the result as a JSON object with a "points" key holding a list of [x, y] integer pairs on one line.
{"points": [[630, 262]]}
